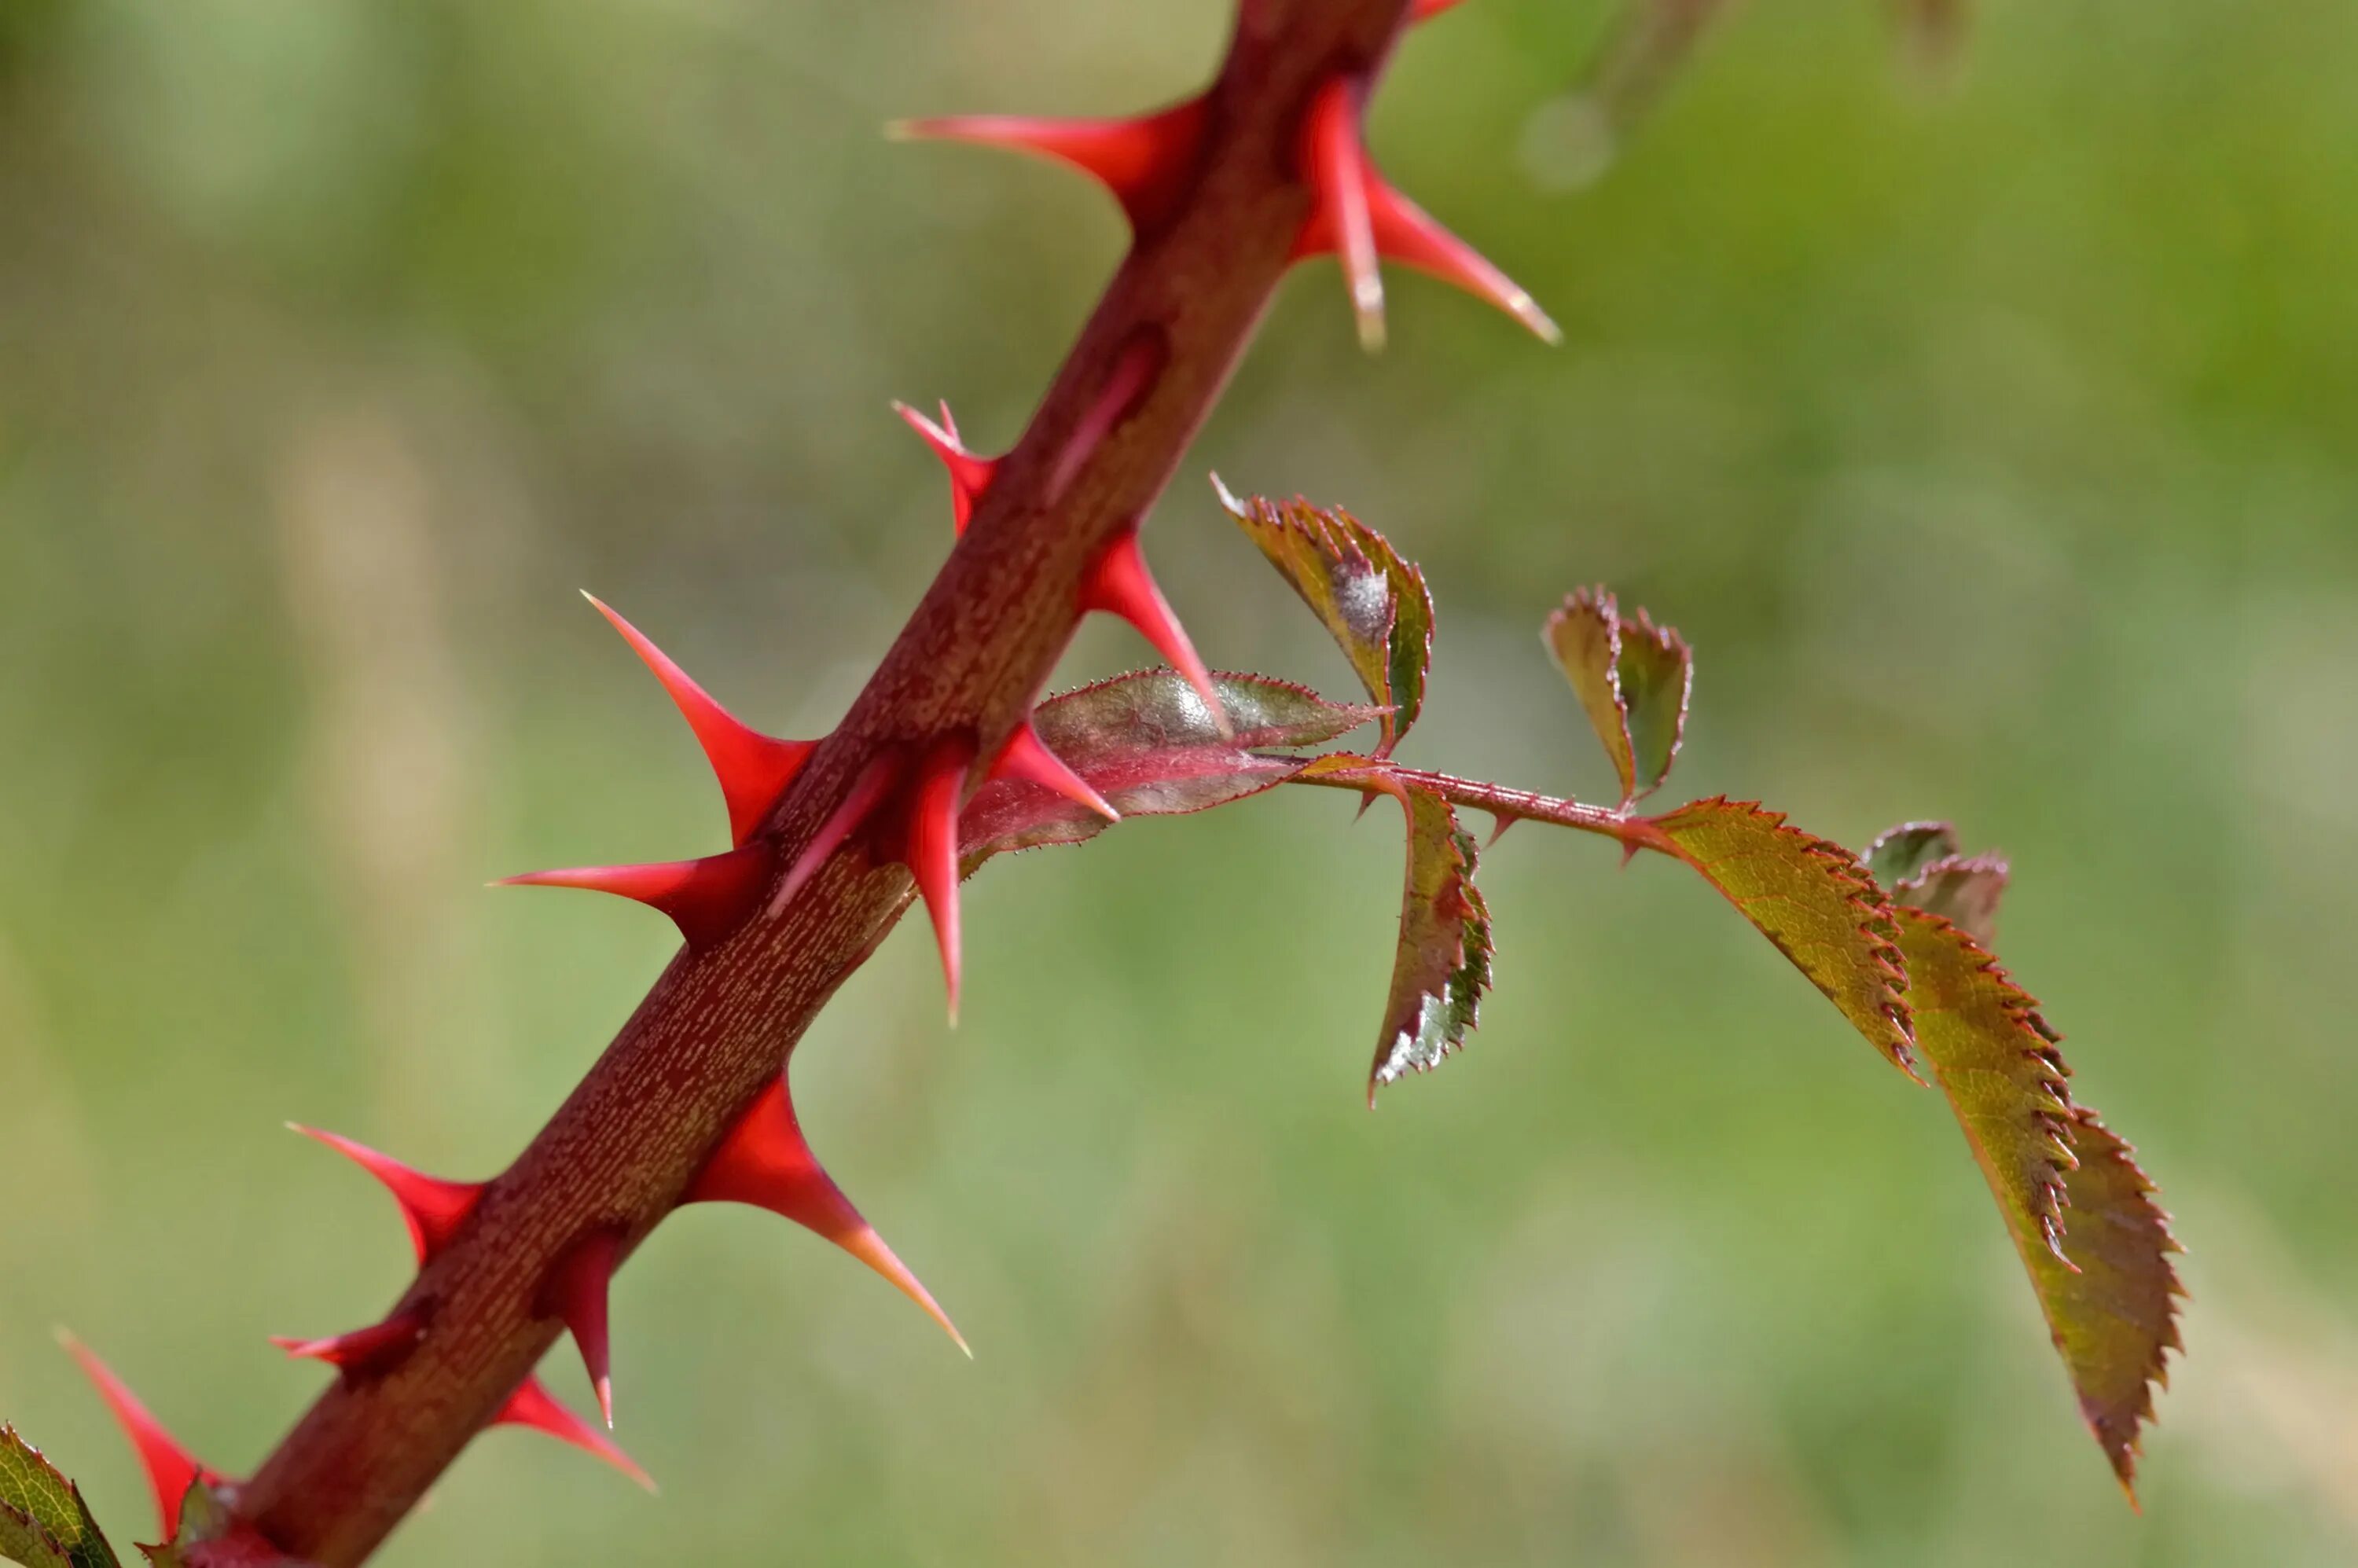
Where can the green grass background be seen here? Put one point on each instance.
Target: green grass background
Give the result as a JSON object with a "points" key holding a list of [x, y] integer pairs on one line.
{"points": [[1993, 442]]}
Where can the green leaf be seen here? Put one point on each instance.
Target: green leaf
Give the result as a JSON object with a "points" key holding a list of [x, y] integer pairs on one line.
{"points": [[1373, 603], [43, 1520], [1442, 965], [1809, 896], [1146, 742], [1633, 679], [1901, 852], [2080, 1214]]}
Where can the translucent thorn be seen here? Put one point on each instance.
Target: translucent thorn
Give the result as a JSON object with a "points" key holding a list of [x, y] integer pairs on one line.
{"points": [[534, 1406], [867, 790], [1500, 822], [577, 1292], [1338, 174], [1026, 756], [362, 1349], [753, 768], [969, 475], [765, 1162], [1143, 161], [431, 1207], [1120, 585], [706, 899], [930, 848], [171, 1470], [1407, 234]]}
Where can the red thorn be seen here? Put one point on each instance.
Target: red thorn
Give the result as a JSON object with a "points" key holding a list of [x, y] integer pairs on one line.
{"points": [[534, 1406], [171, 1470], [878, 776], [1359, 216], [1407, 234], [764, 1162], [1143, 161], [706, 899], [1426, 10], [753, 768], [1120, 585], [577, 1292], [1026, 756], [1501, 822], [930, 846], [969, 475], [1125, 387], [1338, 174], [363, 1350], [431, 1207]]}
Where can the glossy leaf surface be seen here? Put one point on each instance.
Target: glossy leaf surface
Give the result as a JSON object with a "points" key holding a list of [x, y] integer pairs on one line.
{"points": [[43, 1521]]}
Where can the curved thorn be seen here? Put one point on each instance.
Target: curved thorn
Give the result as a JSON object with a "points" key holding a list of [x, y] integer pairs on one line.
{"points": [[170, 1469], [930, 846], [534, 1406], [1120, 585], [1407, 234], [753, 768], [763, 1162], [867, 790], [362, 1349], [577, 1292], [431, 1207], [706, 899], [1142, 160], [1340, 178], [1026, 756], [969, 475]]}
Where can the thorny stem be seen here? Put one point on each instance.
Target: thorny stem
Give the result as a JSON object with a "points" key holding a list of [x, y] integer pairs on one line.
{"points": [[718, 1023]]}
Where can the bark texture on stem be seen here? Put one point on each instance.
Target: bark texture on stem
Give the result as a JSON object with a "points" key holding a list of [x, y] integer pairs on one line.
{"points": [[718, 1023]]}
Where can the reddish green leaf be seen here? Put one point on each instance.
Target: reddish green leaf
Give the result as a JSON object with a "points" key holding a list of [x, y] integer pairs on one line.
{"points": [[1442, 965], [43, 1521], [2080, 1213], [1810, 897], [1633, 678], [1373, 603], [1146, 742], [1901, 852]]}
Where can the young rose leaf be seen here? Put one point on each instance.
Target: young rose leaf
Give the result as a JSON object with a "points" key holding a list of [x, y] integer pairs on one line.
{"points": [[43, 1521], [1810, 897], [1442, 965], [1633, 679], [1146, 742], [1964, 889], [1373, 603], [2080, 1214], [1901, 852]]}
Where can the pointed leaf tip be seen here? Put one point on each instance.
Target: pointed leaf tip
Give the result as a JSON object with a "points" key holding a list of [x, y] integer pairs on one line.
{"points": [[532, 1405], [707, 899], [431, 1207], [1370, 599], [753, 769], [1442, 965], [170, 1469], [763, 1162], [1120, 584]]}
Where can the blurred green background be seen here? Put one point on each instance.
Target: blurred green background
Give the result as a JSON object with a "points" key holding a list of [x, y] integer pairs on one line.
{"points": [[1992, 440]]}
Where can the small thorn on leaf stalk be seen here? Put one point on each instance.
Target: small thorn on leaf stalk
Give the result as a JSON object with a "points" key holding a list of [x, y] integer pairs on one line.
{"points": [[765, 1162]]}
